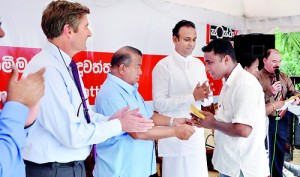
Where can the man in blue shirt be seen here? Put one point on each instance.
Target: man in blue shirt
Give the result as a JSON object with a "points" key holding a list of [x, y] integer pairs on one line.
{"points": [[23, 96], [131, 154], [65, 129]]}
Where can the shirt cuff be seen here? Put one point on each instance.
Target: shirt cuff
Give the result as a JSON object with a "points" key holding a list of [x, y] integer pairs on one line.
{"points": [[116, 126], [15, 111]]}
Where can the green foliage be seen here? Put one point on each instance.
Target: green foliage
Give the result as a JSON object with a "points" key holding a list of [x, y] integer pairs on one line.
{"points": [[288, 44]]}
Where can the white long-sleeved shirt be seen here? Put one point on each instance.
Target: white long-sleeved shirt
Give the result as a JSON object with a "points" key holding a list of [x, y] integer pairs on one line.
{"points": [[174, 79], [59, 135]]}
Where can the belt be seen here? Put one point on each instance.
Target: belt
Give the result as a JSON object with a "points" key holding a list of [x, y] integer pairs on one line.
{"points": [[53, 164]]}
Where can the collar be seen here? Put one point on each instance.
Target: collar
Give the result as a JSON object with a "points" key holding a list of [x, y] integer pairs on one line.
{"points": [[265, 72], [179, 57], [234, 74], [56, 52], [124, 85]]}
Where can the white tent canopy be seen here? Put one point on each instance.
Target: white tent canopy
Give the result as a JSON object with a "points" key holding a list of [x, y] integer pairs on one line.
{"points": [[248, 16]]}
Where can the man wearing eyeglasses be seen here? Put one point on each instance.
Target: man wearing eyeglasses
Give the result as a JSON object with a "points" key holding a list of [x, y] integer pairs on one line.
{"points": [[131, 154]]}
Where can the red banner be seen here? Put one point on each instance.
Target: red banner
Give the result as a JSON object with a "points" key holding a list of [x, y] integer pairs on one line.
{"points": [[92, 66]]}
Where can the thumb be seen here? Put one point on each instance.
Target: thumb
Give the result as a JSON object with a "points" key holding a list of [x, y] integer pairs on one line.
{"points": [[14, 74]]}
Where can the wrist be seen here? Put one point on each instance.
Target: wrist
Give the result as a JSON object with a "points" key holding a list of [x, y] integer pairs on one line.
{"points": [[274, 107], [171, 121]]}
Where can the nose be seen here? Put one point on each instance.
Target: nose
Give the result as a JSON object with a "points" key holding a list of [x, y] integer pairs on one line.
{"points": [[89, 33]]}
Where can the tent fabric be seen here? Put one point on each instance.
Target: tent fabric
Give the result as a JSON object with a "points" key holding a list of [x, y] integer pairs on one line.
{"points": [[247, 16]]}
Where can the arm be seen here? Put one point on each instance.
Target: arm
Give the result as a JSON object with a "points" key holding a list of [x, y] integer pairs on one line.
{"points": [[230, 129], [58, 114], [161, 88], [182, 132], [270, 107], [12, 135], [161, 120]]}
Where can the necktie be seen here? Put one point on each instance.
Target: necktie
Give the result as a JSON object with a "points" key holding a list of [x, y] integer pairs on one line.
{"points": [[278, 96], [79, 88]]}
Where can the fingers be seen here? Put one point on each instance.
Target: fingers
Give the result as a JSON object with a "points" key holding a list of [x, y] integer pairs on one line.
{"points": [[3, 99], [14, 74], [124, 109], [133, 111], [137, 124]]}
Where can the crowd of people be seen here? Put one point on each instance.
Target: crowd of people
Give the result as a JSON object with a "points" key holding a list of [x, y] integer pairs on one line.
{"points": [[48, 128]]}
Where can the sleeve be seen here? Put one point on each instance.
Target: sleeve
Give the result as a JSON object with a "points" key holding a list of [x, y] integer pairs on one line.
{"points": [[160, 91], [58, 115], [245, 100], [12, 135], [160, 83], [291, 91]]}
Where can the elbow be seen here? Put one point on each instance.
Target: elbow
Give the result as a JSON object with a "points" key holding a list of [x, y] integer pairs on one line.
{"points": [[246, 132], [135, 136]]}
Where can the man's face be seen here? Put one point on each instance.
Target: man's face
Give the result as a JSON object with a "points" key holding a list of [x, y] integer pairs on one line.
{"points": [[186, 41], [215, 65], [133, 72], [272, 62], [79, 38]]}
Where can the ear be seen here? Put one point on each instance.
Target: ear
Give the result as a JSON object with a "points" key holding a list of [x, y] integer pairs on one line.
{"points": [[175, 39], [227, 59], [67, 30], [121, 69], [264, 60]]}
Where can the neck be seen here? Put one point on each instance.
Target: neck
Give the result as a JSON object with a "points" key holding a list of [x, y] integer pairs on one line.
{"points": [[63, 45], [230, 69]]}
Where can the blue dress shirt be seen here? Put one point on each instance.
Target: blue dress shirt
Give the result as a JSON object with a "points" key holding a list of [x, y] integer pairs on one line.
{"points": [[13, 138], [59, 134], [122, 156]]}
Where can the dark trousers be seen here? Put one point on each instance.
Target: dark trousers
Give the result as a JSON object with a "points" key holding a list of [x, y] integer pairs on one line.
{"points": [[71, 169], [276, 161]]}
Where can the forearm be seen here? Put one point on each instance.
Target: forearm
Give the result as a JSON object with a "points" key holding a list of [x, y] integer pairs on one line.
{"points": [[270, 107], [161, 120], [233, 129], [155, 133]]}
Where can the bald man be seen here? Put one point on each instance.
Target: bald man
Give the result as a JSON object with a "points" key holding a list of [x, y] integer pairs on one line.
{"points": [[278, 121]]}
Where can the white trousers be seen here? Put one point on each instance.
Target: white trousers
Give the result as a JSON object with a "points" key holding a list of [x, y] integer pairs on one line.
{"points": [[193, 165]]}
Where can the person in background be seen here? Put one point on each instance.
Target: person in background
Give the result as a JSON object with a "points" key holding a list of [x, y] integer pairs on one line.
{"points": [[65, 129], [122, 154], [278, 121], [240, 121], [2, 33], [178, 81], [22, 96], [250, 64]]}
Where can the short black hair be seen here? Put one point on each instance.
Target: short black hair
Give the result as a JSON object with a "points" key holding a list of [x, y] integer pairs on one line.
{"points": [[246, 59], [180, 24], [123, 56], [220, 47]]}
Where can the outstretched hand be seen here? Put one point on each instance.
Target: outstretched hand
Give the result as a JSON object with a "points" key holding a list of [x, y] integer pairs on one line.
{"points": [[132, 121], [207, 122]]}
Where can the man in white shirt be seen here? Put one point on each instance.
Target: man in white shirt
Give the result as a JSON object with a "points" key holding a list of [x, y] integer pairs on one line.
{"points": [[64, 131], [240, 121], [179, 80]]}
